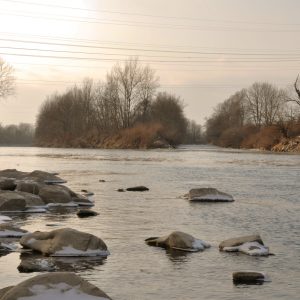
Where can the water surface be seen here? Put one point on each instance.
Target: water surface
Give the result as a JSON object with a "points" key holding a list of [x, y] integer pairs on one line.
{"points": [[266, 188]]}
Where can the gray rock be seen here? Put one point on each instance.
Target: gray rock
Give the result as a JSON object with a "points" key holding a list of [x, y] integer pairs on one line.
{"points": [[8, 184], [50, 285], [11, 201], [43, 177], [29, 186], [85, 213], [65, 242], [248, 277], [55, 194], [208, 195], [238, 241], [32, 200], [12, 173], [179, 241], [140, 188], [8, 230]]}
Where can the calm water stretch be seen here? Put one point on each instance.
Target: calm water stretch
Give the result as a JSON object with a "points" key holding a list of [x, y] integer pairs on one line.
{"points": [[266, 188]]}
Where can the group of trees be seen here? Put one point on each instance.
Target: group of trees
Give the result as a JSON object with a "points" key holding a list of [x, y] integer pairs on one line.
{"points": [[128, 98], [255, 117]]}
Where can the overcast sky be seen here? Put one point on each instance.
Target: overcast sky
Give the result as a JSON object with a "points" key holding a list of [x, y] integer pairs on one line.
{"points": [[203, 50]]}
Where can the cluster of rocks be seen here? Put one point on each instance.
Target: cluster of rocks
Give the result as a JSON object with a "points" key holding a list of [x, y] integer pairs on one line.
{"points": [[251, 245], [36, 192]]}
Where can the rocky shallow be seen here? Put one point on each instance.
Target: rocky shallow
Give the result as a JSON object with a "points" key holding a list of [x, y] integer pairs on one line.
{"points": [[24, 192]]}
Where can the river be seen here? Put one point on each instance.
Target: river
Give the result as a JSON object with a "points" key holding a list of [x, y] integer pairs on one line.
{"points": [[266, 188]]}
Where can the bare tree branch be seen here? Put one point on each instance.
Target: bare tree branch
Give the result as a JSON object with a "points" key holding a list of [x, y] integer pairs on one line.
{"points": [[7, 80]]}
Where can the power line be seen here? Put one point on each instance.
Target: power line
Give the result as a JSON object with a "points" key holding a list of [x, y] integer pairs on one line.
{"points": [[165, 70], [148, 61], [143, 49], [141, 24], [92, 41], [149, 15]]}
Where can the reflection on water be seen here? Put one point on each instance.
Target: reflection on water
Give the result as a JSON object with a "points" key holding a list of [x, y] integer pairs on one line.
{"points": [[32, 262], [266, 189]]}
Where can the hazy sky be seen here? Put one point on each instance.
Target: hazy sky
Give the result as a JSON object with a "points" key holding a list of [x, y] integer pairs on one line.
{"points": [[203, 50]]}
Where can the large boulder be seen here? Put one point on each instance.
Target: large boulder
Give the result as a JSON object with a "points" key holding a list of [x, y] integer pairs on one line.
{"points": [[29, 186], [12, 201], [8, 184], [55, 194], [44, 177], [12, 173], [65, 242], [32, 200], [238, 241], [178, 241], [7, 230], [251, 245], [249, 277], [59, 285], [208, 195]]}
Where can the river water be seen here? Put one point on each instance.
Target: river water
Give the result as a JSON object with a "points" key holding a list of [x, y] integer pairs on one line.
{"points": [[266, 188]]}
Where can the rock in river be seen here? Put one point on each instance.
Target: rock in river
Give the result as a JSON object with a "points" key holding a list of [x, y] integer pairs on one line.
{"points": [[11, 201], [139, 188], [178, 241], [7, 230], [65, 242], [85, 213], [249, 278], [251, 245], [208, 195], [59, 285]]}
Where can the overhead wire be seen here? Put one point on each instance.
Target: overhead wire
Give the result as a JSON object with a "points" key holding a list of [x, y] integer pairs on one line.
{"points": [[148, 15]]}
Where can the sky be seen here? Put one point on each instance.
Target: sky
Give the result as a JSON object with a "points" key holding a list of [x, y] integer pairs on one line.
{"points": [[202, 50]]}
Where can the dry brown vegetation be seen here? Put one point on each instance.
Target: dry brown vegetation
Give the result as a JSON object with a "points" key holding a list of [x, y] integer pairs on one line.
{"points": [[260, 117]]}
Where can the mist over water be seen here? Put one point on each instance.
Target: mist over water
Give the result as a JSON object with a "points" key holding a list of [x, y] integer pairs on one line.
{"points": [[266, 189]]}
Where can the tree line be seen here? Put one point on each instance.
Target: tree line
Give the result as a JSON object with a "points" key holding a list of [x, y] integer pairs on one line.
{"points": [[17, 135], [126, 104], [255, 117]]}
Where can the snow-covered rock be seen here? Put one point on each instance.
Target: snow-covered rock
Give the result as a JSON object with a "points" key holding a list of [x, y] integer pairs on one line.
{"points": [[208, 195], [65, 242], [50, 286], [4, 219], [250, 248], [179, 241], [251, 245], [7, 230]]}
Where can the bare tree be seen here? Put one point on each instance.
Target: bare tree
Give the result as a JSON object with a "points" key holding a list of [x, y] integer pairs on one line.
{"points": [[264, 102], [7, 80], [134, 84], [297, 99]]}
